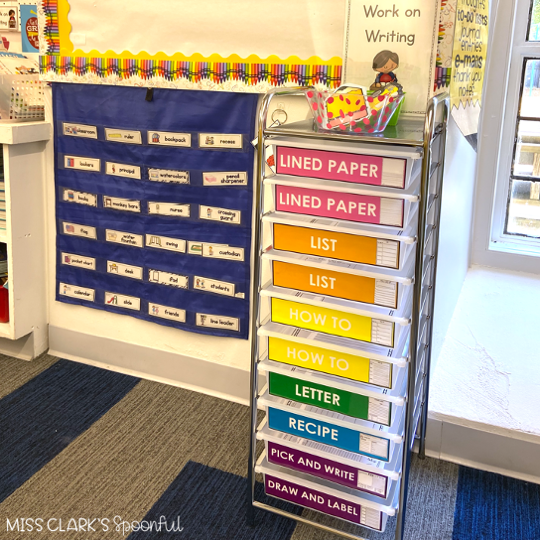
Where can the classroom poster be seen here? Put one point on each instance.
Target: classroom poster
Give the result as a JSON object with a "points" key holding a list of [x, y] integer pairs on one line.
{"points": [[469, 63], [154, 204], [9, 17], [29, 28], [396, 40]]}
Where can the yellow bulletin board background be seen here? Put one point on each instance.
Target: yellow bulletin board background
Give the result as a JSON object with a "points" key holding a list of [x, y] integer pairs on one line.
{"points": [[65, 55]]}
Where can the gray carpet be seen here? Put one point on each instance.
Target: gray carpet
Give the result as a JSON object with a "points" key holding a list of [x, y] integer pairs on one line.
{"points": [[14, 373]]}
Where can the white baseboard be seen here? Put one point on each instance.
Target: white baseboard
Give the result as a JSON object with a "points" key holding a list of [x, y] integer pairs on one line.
{"points": [[210, 378]]}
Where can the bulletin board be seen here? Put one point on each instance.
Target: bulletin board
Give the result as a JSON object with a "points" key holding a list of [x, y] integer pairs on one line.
{"points": [[154, 204], [239, 45]]}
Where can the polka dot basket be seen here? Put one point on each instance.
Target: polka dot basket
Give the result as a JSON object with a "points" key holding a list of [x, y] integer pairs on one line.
{"points": [[351, 109]]}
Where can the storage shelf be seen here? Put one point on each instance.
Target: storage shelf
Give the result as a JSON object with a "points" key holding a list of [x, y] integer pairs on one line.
{"points": [[24, 132]]}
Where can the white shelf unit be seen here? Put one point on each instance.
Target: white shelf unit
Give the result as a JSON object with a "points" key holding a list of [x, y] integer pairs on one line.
{"points": [[23, 146]]}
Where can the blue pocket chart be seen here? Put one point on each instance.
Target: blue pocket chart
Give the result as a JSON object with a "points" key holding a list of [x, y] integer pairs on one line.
{"points": [[154, 204]]}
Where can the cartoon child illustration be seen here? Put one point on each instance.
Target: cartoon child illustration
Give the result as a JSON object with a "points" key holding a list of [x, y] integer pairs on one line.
{"points": [[12, 20], [385, 62]]}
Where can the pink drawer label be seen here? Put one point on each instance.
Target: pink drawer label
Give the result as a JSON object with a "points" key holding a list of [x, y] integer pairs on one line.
{"points": [[355, 168], [347, 206]]}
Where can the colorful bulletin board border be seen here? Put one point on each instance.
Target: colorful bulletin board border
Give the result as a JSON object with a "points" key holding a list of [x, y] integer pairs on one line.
{"points": [[252, 74]]}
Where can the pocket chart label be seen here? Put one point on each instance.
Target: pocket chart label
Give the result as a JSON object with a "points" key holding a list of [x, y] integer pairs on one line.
{"points": [[74, 291], [216, 321], [79, 230], [126, 270], [219, 214], [165, 175], [125, 238], [125, 205], [82, 163], [165, 312], [88, 199], [79, 130], [123, 301], [213, 286], [164, 242], [224, 178], [123, 136], [167, 138], [168, 278], [122, 169], [78, 260], [169, 209], [220, 140]]}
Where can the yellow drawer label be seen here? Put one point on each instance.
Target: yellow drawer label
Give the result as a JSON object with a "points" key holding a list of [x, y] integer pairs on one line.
{"points": [[327, 282], [347, 247], [318, 359]]}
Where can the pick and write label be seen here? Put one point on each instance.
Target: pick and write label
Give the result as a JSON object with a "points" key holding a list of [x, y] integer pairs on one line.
{"points": [[345, 365], [346, 206], [125, 238], [337, 284], [340, 166], [79, 130], [123, 136], [213, 286], [217, 321], [165, 312], [123, 301], [122, 169], [79, 197], [220, 140], [328, 433], [71, 259], [125, 205], [168, 278], [305, 462], [169, 138], [168, 176], [225, 179], [219, 214], [323, 502], [331, 321], [125, 270], [165, 242], [82, 163], [74, 229], [169, 209], [74, 291], [332, 399], [336, 245]]}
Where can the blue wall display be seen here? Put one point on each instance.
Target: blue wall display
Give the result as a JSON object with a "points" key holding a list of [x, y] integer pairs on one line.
{"points": [[154, 204]]}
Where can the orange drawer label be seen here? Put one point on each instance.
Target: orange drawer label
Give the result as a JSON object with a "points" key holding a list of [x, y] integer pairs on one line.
{"points": [[342, 246], [327, 282]]}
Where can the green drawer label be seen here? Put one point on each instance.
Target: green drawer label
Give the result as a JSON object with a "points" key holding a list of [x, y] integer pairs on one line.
{"points": [[332, 399]]}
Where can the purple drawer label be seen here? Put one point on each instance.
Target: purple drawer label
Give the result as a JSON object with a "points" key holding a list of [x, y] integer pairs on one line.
{"points": [[327, 469], [323, 502]]}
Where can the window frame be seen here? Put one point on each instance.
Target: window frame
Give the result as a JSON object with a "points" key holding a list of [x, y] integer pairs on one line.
{"points": [[508, 49]]}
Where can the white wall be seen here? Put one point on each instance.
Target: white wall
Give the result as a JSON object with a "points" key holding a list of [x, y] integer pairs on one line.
{"points": [[455, 231]]}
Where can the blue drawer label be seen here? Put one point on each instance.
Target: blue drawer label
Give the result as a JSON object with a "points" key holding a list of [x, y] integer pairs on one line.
{"points": [[324, 432]]}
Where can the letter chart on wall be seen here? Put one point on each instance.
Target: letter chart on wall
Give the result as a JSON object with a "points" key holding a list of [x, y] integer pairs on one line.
{"points": [[153, 204]]}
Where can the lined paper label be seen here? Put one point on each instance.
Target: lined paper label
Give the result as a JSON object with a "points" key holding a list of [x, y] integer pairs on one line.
{"points": [[123, 301], [74, 291], [165, 312], [123, 136], [392, 212], [168, 138], [380, 373], [379, 411], [74, 229], [164, 242], [79, 197], [79, 130], [373, 445], [386, 293], [387, 253], [125, 270], [125, 205], [70, 259], [125, 238]]}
